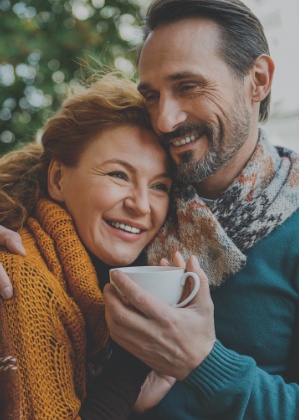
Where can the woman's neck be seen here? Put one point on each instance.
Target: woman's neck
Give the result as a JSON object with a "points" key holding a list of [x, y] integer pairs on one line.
{"points": [[102, 269]]}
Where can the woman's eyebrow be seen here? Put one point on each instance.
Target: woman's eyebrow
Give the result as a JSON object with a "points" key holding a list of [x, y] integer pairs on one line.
{"points": [[120, 162], [133, 169]]}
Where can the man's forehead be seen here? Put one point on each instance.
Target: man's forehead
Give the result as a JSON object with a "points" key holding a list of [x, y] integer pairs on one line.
{"points": [[188, 26], [169, 56], [175, 40]]}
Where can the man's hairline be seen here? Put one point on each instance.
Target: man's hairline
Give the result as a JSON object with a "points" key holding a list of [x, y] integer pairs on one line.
{"points": [[219, 44]]}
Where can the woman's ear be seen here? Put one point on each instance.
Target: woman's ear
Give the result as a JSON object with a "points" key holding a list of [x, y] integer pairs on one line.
{"points": [[55, 173], [262, 74]]}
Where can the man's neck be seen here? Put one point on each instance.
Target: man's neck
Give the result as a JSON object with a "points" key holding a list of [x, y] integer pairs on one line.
{"points": [[212, 187]]}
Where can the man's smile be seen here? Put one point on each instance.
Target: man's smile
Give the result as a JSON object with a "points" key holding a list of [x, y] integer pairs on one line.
{"points": [[185, 140]]}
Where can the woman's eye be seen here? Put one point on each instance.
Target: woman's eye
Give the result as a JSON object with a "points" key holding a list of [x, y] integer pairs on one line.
{"points": [[118, 174], [162, 187]]}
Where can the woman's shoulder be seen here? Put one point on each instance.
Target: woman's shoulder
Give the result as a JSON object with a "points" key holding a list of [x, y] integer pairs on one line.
{"points": [[31, 274]]}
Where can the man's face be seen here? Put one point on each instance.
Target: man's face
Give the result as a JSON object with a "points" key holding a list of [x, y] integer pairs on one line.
{"points": [[199, 108]]}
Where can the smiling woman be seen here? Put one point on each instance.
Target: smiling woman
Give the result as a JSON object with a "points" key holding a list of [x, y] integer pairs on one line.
{"points": [[124, 183], [91, 196]]}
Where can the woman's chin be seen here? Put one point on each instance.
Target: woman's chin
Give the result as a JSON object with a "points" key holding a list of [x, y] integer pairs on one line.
{"points": [[120, 261]]}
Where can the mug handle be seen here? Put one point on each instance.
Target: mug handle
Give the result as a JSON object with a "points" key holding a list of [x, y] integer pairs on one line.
{"points": [[194, 291]]}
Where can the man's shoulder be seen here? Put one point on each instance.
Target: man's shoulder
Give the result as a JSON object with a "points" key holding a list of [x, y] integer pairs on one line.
{"points": [[293, 220], [284, 236]]}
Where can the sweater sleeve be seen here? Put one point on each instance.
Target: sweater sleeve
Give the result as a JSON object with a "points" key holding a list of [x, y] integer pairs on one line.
{"points": [[45, 335], [228, 385]]}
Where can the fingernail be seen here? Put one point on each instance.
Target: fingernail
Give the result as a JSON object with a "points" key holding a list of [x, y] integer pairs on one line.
{"points": [[7, 292], [165, 261], [115, 275], [20, 247], [195, 261]]}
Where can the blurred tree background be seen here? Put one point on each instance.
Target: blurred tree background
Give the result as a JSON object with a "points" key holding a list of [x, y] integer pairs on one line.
{"points": [[43, 44]]}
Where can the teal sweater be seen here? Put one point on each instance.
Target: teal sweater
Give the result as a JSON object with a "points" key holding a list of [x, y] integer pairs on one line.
{"points": [[253, 371]]}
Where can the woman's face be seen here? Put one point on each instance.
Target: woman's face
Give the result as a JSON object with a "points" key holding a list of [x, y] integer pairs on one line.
{"points": [[118, 194]]}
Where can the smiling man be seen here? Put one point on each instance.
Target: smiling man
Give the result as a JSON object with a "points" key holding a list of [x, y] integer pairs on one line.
{"points": [[206, 74], [203, 114]]}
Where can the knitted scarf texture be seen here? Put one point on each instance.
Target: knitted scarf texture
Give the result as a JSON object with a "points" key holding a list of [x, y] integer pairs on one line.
{"points": [[69, 261], [55, 319], [261, 198]]}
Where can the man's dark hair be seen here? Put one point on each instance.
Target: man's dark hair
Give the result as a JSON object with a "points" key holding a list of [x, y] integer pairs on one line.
{"points": [[242, 38]]}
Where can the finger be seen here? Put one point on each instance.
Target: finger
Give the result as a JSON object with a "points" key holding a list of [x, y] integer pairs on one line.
{"points": [[203, 294], [125, 323], [164, 262], [115, 308], [5, 285], [118, 307], [142, 300], [178, 260], [12, 241]]}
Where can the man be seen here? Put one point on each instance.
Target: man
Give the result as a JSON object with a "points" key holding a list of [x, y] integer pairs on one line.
{"points": [[206, 75]]}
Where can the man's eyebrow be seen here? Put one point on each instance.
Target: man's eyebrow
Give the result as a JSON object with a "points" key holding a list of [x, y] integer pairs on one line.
{"points": [[172, 78], [181, 75], [143, 86]]}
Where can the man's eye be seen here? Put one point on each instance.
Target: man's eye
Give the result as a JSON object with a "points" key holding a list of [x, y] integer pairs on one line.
{"points": [[188, 87], [150, 96], [118, 174]]}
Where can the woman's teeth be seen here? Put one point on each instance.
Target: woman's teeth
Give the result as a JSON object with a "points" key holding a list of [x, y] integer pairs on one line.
{"points": [[184, 141], [127, 228]]}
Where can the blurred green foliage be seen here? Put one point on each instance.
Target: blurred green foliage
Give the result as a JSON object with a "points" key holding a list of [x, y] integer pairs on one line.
{"points": [[43, 44]]}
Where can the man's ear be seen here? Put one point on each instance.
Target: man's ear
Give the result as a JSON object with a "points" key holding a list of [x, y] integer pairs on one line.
{"points": [[262, 77], [55, 172]]}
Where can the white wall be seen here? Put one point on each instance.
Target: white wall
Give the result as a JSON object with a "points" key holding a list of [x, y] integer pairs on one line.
{"points": [[280, 19]]}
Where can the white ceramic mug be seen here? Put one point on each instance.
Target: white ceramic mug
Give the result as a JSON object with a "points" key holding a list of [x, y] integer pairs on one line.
{"points": [[166, 283]]}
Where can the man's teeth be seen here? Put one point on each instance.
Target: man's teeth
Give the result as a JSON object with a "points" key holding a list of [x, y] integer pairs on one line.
{"points": [[127, 228], [184, 141]]}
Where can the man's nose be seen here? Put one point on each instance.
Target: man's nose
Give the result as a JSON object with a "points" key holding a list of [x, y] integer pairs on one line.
{"points": [[170, 115], [138, 201]]}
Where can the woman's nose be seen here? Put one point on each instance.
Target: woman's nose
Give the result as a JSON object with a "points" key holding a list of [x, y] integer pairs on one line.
{"points": [[138, 201]]}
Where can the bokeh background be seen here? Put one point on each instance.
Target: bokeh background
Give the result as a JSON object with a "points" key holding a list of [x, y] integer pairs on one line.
{"points": [[48, 45]]}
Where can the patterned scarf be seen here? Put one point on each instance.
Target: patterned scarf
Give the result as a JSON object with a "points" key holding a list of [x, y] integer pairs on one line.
{"points": [[261, 198]]}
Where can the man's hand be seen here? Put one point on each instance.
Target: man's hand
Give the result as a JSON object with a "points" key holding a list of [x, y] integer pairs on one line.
{"points": [[12, 241], [172, 341]]}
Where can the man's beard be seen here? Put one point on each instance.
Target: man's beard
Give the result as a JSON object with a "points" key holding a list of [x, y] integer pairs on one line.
{"points": [[188, 170]]}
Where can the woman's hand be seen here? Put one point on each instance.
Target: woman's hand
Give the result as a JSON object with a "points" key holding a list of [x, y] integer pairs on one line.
{"points": [[178, 260], [172, 341], [153, 390]]}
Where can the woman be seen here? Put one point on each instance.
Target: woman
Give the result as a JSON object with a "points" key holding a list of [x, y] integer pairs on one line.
{"points": [[92, 196]]}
